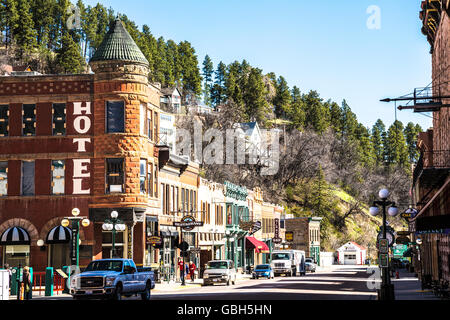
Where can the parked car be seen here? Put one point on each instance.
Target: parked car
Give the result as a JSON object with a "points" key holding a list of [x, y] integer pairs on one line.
{"points": [[310, 265], [219, 271], [112, 278], [263, 270]]}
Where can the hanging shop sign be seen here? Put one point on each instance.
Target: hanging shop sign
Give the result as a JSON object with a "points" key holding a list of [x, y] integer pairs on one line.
{"points": [[402, 240], [154, 240], [289, 236], [188, 223], [277, 240], [246, 225], [277, 228], [256, 227]]}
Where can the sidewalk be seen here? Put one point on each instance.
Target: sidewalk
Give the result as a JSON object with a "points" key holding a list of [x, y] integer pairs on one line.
{"points": [[408, 287]]}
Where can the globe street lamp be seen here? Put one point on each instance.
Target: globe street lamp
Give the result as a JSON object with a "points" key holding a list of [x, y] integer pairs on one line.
{"points": [[75, 241], [387, 289], [113, 225]]}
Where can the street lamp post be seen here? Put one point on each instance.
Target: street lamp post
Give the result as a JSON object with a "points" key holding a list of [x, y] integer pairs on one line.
{"points": [[75, 219], [113, 225], [387, 289]]}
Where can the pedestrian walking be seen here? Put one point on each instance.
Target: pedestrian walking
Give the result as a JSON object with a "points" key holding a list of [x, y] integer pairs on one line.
{"points": [[186, 270], [180, 267], [192, 268], [26, 283]]}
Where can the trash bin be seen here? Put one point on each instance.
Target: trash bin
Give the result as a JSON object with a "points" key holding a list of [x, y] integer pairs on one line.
{"points": [[4, 285]]}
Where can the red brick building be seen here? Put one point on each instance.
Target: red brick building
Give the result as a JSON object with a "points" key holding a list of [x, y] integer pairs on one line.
{"points": [[432, 173], [79, 141]]}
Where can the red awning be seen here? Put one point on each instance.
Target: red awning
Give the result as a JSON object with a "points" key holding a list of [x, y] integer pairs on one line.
{"points": [[259, 246]]}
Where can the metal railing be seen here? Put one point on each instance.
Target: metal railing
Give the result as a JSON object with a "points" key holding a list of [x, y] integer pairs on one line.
{"points": [[436, 159], [38, 284]]}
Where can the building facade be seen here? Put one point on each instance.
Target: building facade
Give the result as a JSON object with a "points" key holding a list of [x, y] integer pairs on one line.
{"points": [[431, 178], [75, 141], [212, 213], [306, 235]]}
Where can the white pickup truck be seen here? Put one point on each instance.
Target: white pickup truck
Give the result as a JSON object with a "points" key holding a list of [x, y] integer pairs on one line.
{"points": [[112, 278]]}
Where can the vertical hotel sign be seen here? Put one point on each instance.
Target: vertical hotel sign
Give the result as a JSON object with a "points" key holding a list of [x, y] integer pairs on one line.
{"points": [[81, 124]]}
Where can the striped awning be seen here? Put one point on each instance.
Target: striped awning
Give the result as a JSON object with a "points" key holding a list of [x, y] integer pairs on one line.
{"points": [[59, 234], [15, 236]]}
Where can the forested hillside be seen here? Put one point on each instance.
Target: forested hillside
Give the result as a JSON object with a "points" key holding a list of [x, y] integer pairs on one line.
{"points": [[333, 165]]}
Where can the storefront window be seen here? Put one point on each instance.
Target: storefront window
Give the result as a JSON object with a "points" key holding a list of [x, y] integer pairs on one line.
{"points": [[107, 245], [17, 255], [59, 255]]}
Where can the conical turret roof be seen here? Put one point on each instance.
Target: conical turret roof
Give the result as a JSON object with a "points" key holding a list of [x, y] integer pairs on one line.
{"points": [[119, 45]]}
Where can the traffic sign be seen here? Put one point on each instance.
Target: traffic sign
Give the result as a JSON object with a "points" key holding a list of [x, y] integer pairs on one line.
{"points": [[384, 245], [384, 260]]}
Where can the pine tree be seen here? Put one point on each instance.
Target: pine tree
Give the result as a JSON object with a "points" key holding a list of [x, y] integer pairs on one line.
{"points": [[297, 113], [232, 83], [378, 141], [69, 57], [190, 73], [397, 151], [316, 113], [9, 20], [254, 93], [411, 135], [349, 122], [208, 70], [218, 90], [366, 150], [282, 100], [335, 113], [25, 34]]}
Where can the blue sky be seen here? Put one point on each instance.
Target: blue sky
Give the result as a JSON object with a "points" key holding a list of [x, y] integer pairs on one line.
{"points": [[316, 45]]}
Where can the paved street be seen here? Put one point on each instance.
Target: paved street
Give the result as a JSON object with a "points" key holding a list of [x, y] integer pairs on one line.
{"points": [[339, 282], [334, 283]]}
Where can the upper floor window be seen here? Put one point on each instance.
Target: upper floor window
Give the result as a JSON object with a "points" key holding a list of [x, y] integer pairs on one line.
{"points": [[59, 119], [4, 120], [143, 120], [29, 120], [155, 127], [28, 178], [114, 175], [58, 169], [115, 116], [150, 124], [143, 176], [3, 178]]}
